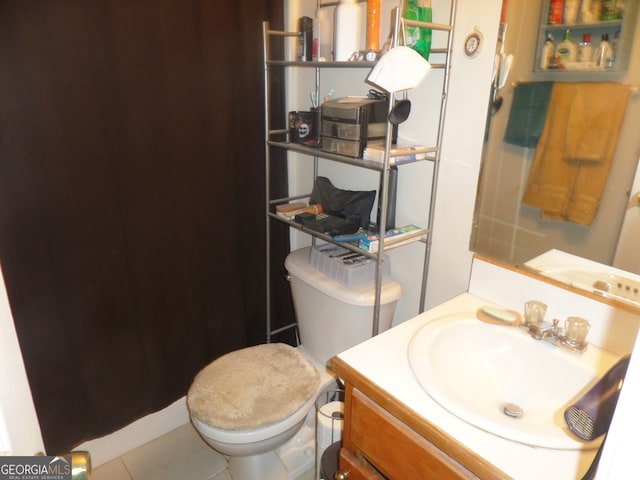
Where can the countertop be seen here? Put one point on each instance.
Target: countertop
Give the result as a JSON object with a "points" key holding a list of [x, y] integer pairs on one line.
{"points": [[380, 368]]}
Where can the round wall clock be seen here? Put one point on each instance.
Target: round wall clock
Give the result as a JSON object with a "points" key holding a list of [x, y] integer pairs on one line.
{"points": [[472, 43]]}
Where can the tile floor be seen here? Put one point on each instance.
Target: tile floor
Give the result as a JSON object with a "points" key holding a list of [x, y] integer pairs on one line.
{"points": [[178, 455]]}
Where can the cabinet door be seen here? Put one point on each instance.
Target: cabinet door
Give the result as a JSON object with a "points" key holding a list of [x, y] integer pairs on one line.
{"points": [[395, 449], [356, 469]]}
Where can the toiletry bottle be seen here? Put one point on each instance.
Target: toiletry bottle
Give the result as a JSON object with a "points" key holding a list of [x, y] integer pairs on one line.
{"points": [[305, 42], [556, 8], [586, 12], [322, 36], [590, 11], [415, 37], [425, 14], [614, 48], [566, 50], [373, 26], [548, 51], [585, 49], [571, 8], [596, 10], [410, 12], [609, 10], [347, 29], [604, 53]]}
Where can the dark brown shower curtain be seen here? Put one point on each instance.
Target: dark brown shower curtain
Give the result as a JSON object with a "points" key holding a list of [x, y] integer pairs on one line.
{"points": [[131, 199]]}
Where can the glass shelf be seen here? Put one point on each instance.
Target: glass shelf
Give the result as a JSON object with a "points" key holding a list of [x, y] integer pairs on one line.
{"points": [[358, 162], [418, 236]]}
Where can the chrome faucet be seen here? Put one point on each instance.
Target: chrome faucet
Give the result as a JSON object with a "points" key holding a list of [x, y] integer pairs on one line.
{"points": [[572, 336], [542, 330]]}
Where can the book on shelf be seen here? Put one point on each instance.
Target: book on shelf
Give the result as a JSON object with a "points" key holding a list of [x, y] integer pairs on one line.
{"points": [[398, 154], [394, 236]]}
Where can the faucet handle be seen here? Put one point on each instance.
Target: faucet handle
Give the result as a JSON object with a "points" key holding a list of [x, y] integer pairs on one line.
{"points": [[576, 331], [534, 312]]}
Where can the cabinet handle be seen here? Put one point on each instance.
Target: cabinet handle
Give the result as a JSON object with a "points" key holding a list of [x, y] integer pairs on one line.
{"points": [[341, 476]]}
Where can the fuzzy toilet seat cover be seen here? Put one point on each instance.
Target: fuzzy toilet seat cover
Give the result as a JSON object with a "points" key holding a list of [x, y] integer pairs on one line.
{"points": [[253, 387]]}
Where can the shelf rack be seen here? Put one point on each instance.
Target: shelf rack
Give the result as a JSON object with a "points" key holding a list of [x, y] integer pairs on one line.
{"points": [[624, 27], [277, 138]]}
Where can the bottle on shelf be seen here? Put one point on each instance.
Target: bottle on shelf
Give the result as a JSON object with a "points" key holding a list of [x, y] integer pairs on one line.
{"points": [[347, 29], [611, 9], [425, 14], [322, 36], [604, 55], [614, 46], [415, 37], [567, 51], [305, 27], [556, 10], [548, 52], [571, 8], [596, 10], [585, 49], [373, 26], [590, 11]]}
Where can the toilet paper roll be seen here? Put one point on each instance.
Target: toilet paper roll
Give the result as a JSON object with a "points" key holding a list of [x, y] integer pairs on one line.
{"points": [[329, 425]]}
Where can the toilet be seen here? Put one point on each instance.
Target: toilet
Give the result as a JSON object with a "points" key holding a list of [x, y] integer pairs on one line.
{"points": [[255, 405]]}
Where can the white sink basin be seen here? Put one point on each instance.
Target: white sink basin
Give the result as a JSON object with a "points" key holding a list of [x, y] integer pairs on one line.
{"points": [[605, 284], [484, 374], [588, 275]]}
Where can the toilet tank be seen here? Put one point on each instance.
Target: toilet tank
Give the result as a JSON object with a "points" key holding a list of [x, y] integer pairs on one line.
{"points": [[332, 317]]}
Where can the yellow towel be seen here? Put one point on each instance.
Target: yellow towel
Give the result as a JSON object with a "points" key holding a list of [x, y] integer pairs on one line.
{"points": [[574, 155]]}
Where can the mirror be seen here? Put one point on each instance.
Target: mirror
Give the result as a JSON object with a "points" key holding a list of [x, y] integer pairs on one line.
{"points": [[504, 228]]}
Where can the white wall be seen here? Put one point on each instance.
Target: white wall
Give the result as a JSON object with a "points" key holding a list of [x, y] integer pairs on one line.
{"points": [[462, 149], [626, 256], [19, 428]]}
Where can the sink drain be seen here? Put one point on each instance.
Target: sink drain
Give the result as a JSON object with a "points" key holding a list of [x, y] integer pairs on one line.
{"points": [[512, 410]]}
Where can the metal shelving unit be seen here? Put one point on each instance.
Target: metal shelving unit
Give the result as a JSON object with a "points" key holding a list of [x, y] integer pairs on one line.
{"points": [[278, 138]]}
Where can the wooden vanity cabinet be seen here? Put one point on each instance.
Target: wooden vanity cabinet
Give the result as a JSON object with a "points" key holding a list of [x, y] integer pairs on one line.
{"points": [[377, 445]]}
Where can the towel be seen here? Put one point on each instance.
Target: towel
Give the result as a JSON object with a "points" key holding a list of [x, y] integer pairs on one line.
{"points": [[575, 151], [595, 120], [528, 113]]}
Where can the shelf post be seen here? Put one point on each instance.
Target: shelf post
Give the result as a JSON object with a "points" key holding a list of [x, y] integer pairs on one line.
{"points": [[267, 123]]}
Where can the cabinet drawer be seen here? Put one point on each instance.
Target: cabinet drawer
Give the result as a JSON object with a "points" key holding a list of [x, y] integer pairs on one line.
{"points": [[395, 449], [357, 469]]}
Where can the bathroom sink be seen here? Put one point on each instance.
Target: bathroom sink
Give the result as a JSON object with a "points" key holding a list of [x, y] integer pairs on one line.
{"points": [[501, 380], [602, 283], [588, 275]]}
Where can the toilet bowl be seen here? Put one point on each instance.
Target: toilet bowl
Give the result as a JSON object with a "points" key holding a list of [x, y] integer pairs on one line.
{"points": [[255, 404]]}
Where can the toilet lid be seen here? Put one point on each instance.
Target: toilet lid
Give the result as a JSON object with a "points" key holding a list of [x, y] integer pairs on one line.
{"points": [[253, 387]]}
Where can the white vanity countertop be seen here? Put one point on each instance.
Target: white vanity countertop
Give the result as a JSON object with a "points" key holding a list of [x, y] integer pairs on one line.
{"points": [[383, 360]]}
